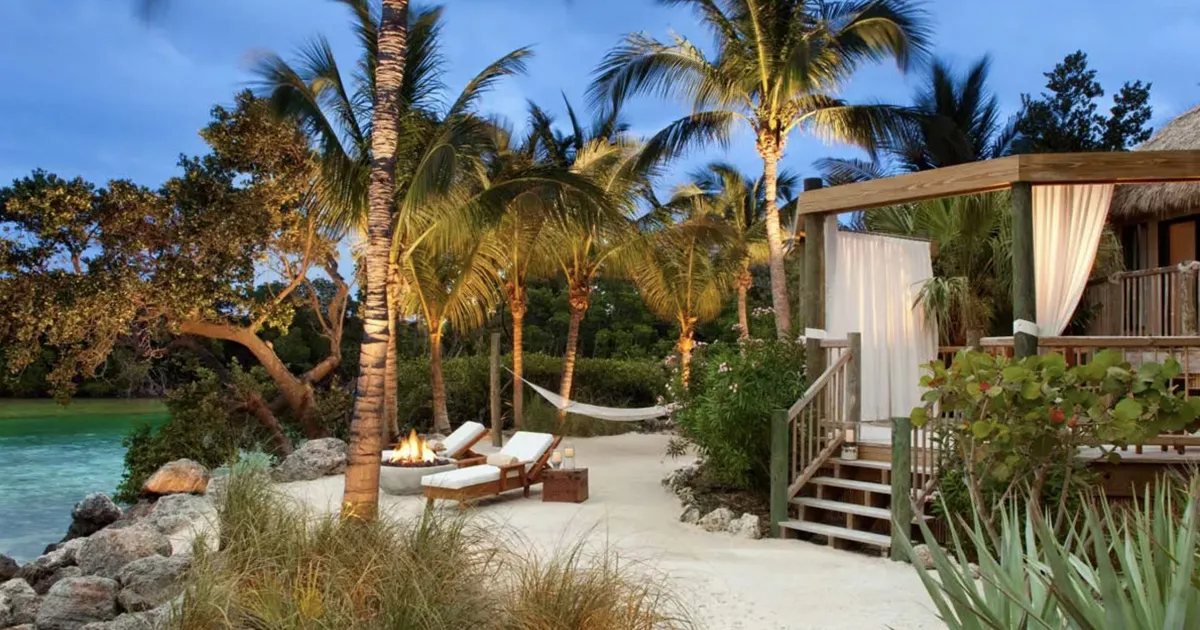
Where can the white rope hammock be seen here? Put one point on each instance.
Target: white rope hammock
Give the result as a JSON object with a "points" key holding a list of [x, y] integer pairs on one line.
{"points": [[616, 414]]}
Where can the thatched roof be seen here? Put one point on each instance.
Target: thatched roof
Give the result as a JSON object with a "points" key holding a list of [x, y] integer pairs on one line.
{"points": [[1144, 201]]}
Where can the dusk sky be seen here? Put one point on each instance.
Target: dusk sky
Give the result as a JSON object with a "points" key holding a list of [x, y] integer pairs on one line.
{"points": [[94, 90]]}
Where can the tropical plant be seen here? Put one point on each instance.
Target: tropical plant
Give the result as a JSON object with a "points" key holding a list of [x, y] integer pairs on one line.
{"points": [[1018, 422], [777, 67], [1133, 569], [956, 120], [687, 266]]}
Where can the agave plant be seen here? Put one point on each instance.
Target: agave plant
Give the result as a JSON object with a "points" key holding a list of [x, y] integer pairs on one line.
{"points": [[1133, 569]]}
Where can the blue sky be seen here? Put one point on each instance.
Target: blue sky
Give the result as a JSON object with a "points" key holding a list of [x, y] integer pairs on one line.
{"points": [[95, 91]]}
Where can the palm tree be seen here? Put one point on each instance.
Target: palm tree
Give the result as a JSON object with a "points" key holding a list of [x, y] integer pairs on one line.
{"points": [[777, 67], [741, 202], [687, 266]]}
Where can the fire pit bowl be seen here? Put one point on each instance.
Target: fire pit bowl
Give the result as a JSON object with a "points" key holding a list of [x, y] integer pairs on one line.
{"points": [[404, 466]]}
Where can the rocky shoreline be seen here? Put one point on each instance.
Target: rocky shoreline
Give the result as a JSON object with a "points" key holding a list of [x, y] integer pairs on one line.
{"points": [[126, 569]]}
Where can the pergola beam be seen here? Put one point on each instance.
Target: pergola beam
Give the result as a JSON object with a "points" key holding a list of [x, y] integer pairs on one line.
{"points": [[1131, 167]]}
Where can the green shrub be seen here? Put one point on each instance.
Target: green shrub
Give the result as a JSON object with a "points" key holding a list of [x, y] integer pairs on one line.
{"points": [[606, 382], [726, 409], [278, 567]]}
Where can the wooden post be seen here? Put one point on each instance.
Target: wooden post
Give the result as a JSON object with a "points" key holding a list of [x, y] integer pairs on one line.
{"points": [[494, 387], [854, 385], [780, 456], [1024, 287], [902, 508], [973, 340], [814, 359], [814, 280], [1189, 301]]}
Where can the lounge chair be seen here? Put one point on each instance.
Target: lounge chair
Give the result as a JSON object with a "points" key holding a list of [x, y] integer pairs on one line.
{"points": [[476, 478], [459, 444]]}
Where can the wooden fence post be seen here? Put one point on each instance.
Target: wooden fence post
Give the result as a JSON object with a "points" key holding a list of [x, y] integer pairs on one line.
{"points": [[1190, 324], [780, 456], [494, 386], [974, 343], [1025, 332], [902, 507], [854, 384]]}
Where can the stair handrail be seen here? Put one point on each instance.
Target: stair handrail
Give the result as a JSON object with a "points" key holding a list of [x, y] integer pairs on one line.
{"points": [[817, 430]]}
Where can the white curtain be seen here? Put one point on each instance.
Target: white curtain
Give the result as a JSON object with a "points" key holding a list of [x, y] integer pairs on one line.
{"points": [[1067, 223], [872, 282]]}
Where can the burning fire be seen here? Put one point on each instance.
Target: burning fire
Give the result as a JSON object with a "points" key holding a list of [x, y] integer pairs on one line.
{"points": [[412, 450]]}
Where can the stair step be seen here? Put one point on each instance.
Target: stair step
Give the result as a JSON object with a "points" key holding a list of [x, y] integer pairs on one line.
{"points": [[839, 506], [867, 538], [862, 463], [852, 484]]}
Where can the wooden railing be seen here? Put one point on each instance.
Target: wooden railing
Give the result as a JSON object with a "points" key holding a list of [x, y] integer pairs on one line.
{"points": [[806, 436], [1155, 302]]}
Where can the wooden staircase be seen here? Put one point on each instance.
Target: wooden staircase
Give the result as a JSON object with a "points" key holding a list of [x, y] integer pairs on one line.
{"points": [[848, 505]]}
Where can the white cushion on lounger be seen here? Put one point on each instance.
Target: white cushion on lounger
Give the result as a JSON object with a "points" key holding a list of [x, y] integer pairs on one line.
{"points": [[462, 436], [528, 447], [462, 477]]}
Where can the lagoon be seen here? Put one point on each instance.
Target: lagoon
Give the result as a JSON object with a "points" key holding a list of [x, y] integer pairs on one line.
{"points": [[51, 456]]}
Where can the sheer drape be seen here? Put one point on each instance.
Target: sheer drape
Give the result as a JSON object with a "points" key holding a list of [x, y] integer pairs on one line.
{"points": [[1067, 223], [872, 284]]}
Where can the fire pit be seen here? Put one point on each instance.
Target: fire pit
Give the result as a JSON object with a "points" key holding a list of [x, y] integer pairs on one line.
{"points": [[404, 466]]}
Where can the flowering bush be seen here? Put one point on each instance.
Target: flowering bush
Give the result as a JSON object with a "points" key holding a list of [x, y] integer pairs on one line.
{"points": [[1017, 422], [726, 409]]}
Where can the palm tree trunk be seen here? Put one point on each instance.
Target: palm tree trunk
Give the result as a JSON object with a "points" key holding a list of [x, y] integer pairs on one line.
{"points": [[441, 419], [744, 282], [779, 293], [518, 333], [361, 498], [578, 299], [684, 345], [391, 427]]}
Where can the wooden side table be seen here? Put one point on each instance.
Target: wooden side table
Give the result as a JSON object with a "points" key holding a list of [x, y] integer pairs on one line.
{"points": [[564, 485]]}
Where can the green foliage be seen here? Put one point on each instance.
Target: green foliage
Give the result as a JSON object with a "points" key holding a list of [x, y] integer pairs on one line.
{"points": [[542, 417], [1064, 120], [1133, 569], [726, 411], [1014, 421], [281, 568]]}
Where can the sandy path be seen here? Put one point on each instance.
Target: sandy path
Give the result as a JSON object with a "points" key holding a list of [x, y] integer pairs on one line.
{"points": [[729, 583]]}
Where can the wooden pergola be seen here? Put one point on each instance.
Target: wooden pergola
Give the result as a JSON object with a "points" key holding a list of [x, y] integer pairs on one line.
{"points": [[1019, 173]]}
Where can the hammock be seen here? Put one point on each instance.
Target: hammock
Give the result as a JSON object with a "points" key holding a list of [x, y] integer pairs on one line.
{"points": [[615, 414]]}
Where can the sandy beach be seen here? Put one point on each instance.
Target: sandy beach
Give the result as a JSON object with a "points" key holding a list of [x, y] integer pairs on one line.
{"points": [[728, 583]]}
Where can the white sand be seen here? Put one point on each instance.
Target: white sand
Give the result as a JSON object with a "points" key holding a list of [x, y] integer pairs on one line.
{"points": [[729, 583]]}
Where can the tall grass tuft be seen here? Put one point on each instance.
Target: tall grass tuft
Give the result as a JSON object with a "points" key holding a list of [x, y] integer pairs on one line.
{"points": [[1134, 569], [280, 568]]}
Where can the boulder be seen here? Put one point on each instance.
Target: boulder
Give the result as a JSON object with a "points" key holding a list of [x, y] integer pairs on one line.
{"points": [[43, 585], [48, 568], [717, 520], [690, 515], [151, 581], [923, 556], [155, 619], [95, 512], [182, 476], [106, 551], [183, 517], [8, 568], [313, 460], [76, 602], [746, 527], [24, 626], [18, 603]]}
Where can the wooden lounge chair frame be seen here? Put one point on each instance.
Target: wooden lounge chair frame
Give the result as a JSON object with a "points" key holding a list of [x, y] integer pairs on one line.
{"points": [[467, 451], [508, 481]]}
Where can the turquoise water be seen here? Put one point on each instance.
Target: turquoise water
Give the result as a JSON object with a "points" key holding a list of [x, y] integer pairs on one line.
{"points": [[52, 456]]}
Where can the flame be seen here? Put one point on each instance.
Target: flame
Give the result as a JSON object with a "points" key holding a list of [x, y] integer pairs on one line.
{"points": [[412, 450]]}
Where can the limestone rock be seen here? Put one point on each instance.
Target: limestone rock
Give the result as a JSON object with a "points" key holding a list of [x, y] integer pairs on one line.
{"points": [[184, 517], [8, 568], [50, 567], [95, 512], [24, 626], [717, 520], [43, 585], [180, 476], [154, 619], [316, 459], [923, 556], [106, 551], [746, 527], [151, 581], [690, 515], [76, 602], [18, 603]]}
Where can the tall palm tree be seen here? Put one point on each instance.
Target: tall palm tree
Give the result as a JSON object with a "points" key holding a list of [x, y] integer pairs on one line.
{"points": [[957, 120], [741, 202], [777, 67], [687, 266]]}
